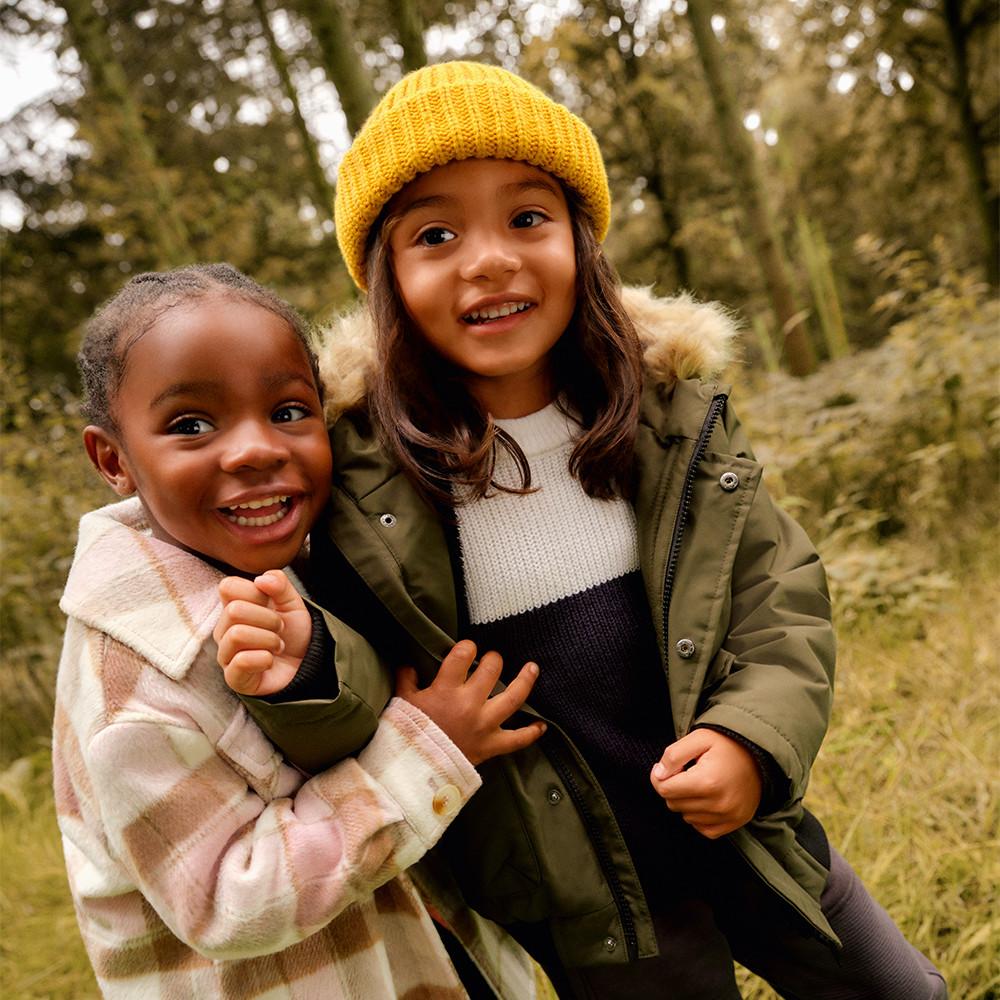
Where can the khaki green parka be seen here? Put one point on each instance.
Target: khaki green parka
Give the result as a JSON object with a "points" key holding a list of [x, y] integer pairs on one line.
{"points": [[737, 595]]}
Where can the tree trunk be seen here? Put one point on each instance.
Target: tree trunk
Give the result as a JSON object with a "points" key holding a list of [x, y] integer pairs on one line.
{"points": [[757, 211], [341, 62], [125, 138], [410, 32], [658, 179], [987, 205], [322, 187]]}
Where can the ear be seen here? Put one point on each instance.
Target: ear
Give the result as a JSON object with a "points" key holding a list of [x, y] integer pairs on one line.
{"points": [[107, 456]]}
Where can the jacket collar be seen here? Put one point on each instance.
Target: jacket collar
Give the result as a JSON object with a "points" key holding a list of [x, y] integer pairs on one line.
{"points": [[153, 597], [681, 338]]}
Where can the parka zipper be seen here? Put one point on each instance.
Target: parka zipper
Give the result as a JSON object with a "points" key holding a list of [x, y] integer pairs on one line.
{"points": [[687, 492], [701, 446], [565, 772]]}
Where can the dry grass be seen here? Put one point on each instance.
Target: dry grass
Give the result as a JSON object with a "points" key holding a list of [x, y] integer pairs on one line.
{"points": [[907, 782], [906, 785]]}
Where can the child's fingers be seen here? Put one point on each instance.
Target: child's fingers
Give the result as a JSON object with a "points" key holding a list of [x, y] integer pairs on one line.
{"points": [[245, 613], [247, 638], [504, 704], [236, 588], [245, 673], [486, 675], [455, 666], [509, 740], [276, 585], [406, 683], [681, 753]]}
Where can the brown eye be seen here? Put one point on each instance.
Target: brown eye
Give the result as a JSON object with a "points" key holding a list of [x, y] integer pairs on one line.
{"points": [[190, 426], [527, 220], [436, 236]]}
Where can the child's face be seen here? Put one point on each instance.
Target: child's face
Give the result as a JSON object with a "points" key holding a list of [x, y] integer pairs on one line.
{"points": [[222, 434], [484, 262]]}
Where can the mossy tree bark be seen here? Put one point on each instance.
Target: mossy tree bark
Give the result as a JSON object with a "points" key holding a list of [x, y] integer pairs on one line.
{"points": [[121, 136], [758, 213]]}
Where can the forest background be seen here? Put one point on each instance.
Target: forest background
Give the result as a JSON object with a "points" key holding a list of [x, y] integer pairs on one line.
{"points": [[828, 170]]}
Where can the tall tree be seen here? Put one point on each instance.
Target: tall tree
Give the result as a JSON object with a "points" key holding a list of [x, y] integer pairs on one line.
{"points": [[960, 24], [758, 213], [341, 59], [410, 32], [123, 135], [321, 186], [641, 104]]}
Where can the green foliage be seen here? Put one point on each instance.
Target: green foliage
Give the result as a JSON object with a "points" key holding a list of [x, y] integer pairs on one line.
{"points": [[46, 484], [894, 445]]}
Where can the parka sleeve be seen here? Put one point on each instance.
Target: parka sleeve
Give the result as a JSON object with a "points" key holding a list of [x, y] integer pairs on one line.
{"points": [[779, 688], [235, 874]]}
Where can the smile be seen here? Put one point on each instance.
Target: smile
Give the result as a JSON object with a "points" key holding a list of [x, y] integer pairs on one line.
{"points": [[275, 508], [496, 312]]}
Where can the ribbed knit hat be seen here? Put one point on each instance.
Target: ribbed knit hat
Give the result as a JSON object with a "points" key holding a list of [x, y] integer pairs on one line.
{"points": [[460, 111]]}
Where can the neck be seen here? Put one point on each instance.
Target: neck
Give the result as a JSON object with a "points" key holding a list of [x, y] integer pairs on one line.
{"points": [[516, 396]]}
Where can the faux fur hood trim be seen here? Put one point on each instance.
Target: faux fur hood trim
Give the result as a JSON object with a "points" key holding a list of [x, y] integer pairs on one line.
{"points": [[681, 338]]}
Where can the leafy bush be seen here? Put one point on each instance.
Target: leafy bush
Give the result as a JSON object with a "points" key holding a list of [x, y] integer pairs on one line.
{"points": [[890, 457]]}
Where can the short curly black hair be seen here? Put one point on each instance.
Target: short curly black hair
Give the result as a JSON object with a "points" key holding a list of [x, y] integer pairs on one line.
{"points": [[129, 314]]}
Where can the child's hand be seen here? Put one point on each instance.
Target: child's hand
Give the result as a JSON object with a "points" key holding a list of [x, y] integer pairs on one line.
{"points": [[462, 706], [263, 632], [721, 789]]}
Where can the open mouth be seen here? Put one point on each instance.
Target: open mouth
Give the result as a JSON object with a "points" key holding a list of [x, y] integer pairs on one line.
{"points": [[258, 513], [492, 313]]}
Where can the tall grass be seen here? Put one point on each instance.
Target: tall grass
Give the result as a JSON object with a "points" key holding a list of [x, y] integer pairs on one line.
{"points": [[906, 785]]}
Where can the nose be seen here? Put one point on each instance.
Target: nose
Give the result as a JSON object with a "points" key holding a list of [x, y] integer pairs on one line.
{"points": [[488, 256], [255, 446]]}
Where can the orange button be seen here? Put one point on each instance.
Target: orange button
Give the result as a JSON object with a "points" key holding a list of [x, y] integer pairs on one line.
{"points": [[447, 801]]}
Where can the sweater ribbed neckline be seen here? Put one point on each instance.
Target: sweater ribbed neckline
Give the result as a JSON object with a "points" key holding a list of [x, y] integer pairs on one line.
{"points": [[542, 431]]}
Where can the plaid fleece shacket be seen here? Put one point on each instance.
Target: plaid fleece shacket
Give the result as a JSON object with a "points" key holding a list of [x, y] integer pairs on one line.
{"points": [[202, 865]]}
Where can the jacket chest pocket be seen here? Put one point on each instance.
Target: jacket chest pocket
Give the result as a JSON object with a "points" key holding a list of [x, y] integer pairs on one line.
{"points": [[723, 494], [249, 752]]}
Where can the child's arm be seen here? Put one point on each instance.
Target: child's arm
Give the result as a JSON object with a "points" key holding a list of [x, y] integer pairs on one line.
{"points": [[265, 629], [237, 856], [776, 693]]}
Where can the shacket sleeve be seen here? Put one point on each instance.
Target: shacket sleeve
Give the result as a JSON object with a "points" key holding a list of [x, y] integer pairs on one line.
{"points": [[235, 876], [778, 692]]}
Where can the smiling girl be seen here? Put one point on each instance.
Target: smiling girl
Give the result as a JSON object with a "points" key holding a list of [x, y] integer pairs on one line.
{"points": [[524, 466], [201, 864]]}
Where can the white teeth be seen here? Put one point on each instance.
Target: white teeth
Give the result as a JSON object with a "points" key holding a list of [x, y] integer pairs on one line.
{"points": [[258, 522], [257, 504], [496, 312]]}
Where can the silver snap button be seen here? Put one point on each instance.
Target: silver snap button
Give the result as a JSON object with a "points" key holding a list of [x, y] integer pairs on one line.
{"points": [[610, 943], [554, 796], [387, 520], [729, 481], [685, 649]]}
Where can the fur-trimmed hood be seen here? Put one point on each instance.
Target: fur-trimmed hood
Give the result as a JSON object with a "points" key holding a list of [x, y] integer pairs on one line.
{"points": [[681, 338]]}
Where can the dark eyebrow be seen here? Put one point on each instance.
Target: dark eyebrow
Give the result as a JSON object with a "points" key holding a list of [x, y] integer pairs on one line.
{"points": [[429, 201], [272, 380], [534, 184], [275, 380], [184, 389]]}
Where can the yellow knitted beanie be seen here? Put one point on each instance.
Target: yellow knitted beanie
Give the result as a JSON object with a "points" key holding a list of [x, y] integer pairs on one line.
{"points": [[460, 111]]}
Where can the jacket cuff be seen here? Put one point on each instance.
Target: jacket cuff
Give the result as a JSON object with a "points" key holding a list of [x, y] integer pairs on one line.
{"points": [[775, 786], [316, 676]]}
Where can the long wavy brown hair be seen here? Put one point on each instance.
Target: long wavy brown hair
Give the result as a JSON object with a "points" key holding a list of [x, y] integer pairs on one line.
{"points": [[444, 441]]}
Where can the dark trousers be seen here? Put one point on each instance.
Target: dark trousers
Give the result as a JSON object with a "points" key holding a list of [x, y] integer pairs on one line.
{"points": [[740, 918]]}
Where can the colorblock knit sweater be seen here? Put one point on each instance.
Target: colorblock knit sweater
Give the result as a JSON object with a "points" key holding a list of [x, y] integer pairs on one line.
{"points": [[553, 576], [201, 865]]}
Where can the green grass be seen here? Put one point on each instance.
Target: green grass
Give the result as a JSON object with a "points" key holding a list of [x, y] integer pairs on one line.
{"points": [[906, 785]]}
